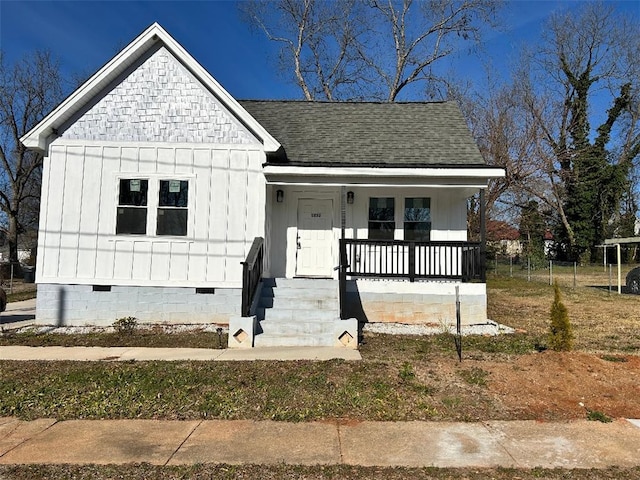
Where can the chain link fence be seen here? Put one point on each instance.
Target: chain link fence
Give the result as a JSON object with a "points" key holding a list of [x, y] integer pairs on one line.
{"points": [[566, 274], [16, 277]]}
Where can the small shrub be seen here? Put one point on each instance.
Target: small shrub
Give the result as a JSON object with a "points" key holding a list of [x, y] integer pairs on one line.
{"points": [[406, 372], [125, 325], [596, 416], [561, 334]]}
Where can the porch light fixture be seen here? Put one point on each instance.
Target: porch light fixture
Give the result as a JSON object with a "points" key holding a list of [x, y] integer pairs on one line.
{"points": [[279, 196], [350, 198]]}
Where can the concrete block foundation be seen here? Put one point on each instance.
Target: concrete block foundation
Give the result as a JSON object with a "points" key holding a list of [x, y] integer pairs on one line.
{"points": [[417, 303], [66, 305]]}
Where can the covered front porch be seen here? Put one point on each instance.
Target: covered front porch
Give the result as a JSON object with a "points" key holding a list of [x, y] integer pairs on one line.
{"points": [[395, 239]]}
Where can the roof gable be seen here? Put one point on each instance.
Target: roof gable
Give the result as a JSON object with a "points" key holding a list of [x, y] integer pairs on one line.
{"points": [[159, 100], [416, 134], [104, 79], [499, 230]]}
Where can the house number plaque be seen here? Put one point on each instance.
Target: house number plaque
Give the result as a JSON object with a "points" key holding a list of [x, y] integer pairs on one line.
{"points": [[316, 215]]}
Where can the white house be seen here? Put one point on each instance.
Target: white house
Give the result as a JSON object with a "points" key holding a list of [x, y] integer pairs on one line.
{"points": [[157, 183]]}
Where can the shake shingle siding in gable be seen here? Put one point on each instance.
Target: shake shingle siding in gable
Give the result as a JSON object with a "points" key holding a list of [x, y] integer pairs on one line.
{"points": [[160, 101], [367, 133]]}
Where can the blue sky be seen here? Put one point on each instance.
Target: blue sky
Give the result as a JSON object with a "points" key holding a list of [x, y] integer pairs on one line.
{"points": [[84, 35]]}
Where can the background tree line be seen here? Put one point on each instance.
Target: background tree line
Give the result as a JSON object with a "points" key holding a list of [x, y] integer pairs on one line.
{"points": [[580, 179]]}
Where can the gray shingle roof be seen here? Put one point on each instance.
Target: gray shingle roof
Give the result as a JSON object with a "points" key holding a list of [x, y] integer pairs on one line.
{"points": [[366, 133]]}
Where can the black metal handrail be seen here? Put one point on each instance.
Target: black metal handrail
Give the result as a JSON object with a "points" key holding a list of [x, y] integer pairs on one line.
{"points": [[342, 278], [251, 274], [412, 260]]}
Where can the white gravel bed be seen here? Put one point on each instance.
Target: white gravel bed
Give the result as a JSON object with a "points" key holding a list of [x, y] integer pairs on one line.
{"points": [[489, 328], [194, 327]]}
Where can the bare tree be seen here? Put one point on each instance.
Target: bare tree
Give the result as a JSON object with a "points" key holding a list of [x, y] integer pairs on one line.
{"points": [[29, 89], [369, 49], [505, 138], [318, 43], [420, 34]]}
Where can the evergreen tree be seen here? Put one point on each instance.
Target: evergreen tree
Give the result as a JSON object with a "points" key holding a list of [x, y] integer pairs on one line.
{"points": [[561, 333], [595, 186]]}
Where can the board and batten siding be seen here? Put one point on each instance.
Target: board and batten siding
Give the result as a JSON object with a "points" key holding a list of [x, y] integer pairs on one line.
{"points": [[78, 244]]}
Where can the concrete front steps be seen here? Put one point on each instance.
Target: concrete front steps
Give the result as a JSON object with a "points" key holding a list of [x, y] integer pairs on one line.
{"points": [[302, 312]]}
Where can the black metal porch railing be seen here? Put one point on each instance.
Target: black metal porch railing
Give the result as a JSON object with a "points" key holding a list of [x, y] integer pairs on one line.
{"points": [[251, 274], [412, 260]]}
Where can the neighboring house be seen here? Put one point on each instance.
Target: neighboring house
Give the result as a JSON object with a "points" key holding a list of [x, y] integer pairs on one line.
{"points": [[549, 244], [157, 183], [503, 239]]}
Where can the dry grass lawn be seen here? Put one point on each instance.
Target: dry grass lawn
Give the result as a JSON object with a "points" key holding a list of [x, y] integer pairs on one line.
{"points": [[602, 321]]}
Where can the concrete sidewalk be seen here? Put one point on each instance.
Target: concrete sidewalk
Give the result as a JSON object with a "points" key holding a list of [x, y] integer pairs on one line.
{"points": [[175, 354], [21, 314], [522, 444], [18, 314]]}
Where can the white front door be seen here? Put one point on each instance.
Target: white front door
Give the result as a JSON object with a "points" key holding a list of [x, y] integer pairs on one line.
{"points": [[314, 255]]}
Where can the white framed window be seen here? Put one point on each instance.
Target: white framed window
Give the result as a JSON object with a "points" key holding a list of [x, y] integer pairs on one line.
{"points": [[417, 219], [148, 206], [132, 206], [382, 222], [173, 212]]}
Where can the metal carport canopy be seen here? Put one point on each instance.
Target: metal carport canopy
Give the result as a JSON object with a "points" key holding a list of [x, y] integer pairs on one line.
{"points": [[616, 242]]}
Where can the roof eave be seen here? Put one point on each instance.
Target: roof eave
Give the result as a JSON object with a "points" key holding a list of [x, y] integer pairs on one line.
{"points": [[479, 172]]}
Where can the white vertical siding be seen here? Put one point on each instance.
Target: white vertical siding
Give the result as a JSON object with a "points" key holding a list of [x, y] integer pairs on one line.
{"points": [[219, 215], [238, 208], [72, 202], [160, 261], [141, 268], [184, 160], [80, 195], [166, 160], [89, 195], [106, 220], [198, 258], [53, 217], [179, 261], [123, 260], [129, 160], [45, 222]]}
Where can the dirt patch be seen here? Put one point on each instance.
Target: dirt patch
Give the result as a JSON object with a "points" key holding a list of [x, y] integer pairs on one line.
{"points": [[539, 386], [558, 386]]}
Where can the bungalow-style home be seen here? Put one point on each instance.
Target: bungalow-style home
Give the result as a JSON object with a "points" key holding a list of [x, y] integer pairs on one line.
{"points": [[166, 199]]}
